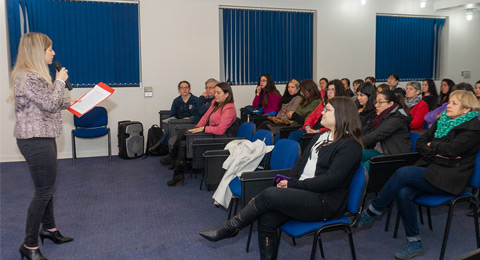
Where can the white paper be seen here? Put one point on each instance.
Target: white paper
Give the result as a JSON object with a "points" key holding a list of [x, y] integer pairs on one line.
{"points": [[91, 99]]}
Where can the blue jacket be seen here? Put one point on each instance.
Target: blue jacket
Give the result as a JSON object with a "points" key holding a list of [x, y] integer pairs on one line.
{"points": [[181, 109], [201, 107]]}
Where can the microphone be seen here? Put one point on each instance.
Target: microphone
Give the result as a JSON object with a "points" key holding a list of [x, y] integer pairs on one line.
{"points": [[58, 67]]}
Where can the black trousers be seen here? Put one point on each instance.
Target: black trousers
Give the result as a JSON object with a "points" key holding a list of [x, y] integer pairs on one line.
{"points": [[278, 205], [41, 157]]}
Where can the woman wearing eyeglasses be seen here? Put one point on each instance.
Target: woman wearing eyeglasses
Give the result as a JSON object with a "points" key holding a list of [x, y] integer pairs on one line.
{"points": [[390, 128], [267, 96], [448, 152], [320, 184]]}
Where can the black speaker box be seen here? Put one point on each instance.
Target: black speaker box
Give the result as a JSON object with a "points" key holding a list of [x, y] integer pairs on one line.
{"points": [[130, 139]]}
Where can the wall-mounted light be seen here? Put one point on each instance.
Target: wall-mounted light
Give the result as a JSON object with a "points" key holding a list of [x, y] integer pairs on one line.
{"points": [[363, 2], [469, 15], [423, 3]]}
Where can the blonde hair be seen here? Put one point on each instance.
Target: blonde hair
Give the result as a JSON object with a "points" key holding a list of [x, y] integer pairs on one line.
{"points": [[31, 58], [467, 99]]}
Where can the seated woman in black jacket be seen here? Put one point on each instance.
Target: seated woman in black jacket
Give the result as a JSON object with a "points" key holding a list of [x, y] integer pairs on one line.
{"points": [[448, 150], [319, 188], [366, 95], [390, 129]]}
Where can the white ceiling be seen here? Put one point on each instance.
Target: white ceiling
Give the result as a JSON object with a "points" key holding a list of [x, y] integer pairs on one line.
{"points": [[455, 4]]}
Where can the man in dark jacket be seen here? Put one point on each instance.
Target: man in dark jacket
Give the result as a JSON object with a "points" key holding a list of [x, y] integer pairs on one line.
{"points": [[204, 100]]}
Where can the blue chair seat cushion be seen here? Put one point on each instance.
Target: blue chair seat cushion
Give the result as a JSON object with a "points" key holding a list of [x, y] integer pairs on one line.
{"points": [[90, 132], [295, 228], [236, 187], [437, 200]]}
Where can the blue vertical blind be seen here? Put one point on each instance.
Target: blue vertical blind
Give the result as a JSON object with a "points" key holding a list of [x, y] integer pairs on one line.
{"points": [[257, 41], [408, 47], [96, 41]]}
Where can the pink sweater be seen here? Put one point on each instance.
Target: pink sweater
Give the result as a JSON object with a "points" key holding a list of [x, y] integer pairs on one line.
{"points": [[272, 104], [220, 120]]}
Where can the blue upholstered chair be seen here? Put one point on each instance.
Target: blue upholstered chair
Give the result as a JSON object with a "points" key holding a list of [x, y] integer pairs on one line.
{"points": [[358, 188], [470, 196], [414, 137], [93, 124]]}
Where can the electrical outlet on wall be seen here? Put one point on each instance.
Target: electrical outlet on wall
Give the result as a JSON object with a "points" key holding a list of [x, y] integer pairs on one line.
{"points": [[148, 91], [466, 74]]}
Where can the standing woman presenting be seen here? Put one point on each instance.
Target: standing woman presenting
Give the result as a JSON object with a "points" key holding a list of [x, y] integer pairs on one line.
{"points": [[38, 103]]}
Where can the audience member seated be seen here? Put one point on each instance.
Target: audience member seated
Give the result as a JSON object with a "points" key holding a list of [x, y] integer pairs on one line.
{"points": [[418, 107], [204, 100], [448, 152], [477, 90], [445, 90], [267, 96], [219, 117], [429, 92], [366, 95], [290, 100], [432, 116], [390, 129], [382, 87], [371, 79], [346, 84], [356, 83], [319, 184], [312, 122], [182, 106], [323, 82], [392, 82]]}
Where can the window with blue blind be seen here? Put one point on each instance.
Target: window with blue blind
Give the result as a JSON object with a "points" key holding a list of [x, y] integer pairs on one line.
{"points": [[96, 41], [254, 42], [408, 47]]}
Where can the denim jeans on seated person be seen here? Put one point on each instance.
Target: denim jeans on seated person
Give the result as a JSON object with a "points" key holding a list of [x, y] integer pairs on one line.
{"points": [[406, 184]]}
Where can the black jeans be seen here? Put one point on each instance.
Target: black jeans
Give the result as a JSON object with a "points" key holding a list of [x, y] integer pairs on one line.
{"points": [[41, 157], [278, 205]]}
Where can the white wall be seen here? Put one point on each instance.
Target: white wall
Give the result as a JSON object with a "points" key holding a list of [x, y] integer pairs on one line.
{"points": [[180, 41]]}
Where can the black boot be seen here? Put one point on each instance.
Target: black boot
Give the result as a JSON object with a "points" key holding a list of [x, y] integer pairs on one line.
{"points": [[268, 245], [55, 236], [230, 228], [31, 254], [178, 174], [167, 161]]}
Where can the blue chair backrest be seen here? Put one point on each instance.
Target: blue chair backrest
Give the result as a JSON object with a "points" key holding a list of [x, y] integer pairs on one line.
{"points": [[264, 135], [474, 180], [284, 154], [246, 130], [94, 118], [358, 186], [414, 137]]}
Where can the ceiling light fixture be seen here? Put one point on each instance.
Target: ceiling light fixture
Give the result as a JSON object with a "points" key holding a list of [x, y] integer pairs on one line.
{"points": [[423, 3], [363, 2], [469, 15]]}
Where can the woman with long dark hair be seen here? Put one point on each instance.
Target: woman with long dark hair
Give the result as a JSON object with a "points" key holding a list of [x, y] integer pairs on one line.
{"points": [[429, 93], [320, 184], [445, 90], [366, 95], [448, 152], [267, 96]]}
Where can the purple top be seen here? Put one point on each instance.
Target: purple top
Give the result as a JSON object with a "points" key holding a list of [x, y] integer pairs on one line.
{"points": [[431, 116], [272, 104], [38, 106]]}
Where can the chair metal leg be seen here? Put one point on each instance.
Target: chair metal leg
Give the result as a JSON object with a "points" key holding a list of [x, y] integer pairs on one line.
{"points": [[201, 180], [249, 237], [321, 245], [389, 215], [475, 221], [352, 246], [420, 213], [109, 145], [447, 230], [294, 242], [429, 216], [74, 151], [230, 208], [314, 247], [397, 223]]}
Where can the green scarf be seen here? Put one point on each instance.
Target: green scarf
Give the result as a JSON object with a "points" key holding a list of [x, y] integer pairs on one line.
{"points": [[445, 124]]}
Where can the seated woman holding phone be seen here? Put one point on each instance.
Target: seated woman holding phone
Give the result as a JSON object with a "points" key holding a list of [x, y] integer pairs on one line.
{"points": [[318, 190]]}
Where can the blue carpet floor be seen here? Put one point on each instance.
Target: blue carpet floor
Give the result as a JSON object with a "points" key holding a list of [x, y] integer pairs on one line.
{"points": [[124, 210]]}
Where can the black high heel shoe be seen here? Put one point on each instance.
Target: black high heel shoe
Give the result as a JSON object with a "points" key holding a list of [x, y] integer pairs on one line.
{"points": [[55, 236], [31, 254]]}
